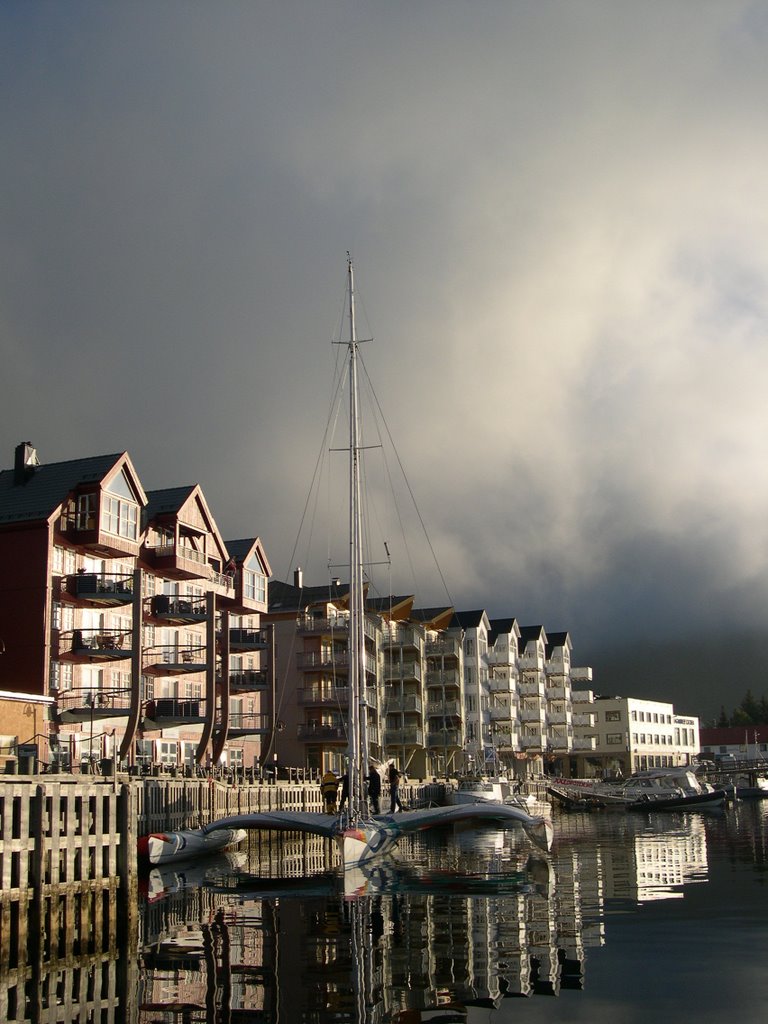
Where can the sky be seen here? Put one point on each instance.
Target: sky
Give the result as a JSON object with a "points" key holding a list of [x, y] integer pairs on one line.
{"points": [[557, 214]]}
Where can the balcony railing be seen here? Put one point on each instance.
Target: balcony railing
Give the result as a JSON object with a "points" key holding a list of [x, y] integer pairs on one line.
{"points": [[585, 743], [407, 702], [335, 696], [403, 637], [82, 704], [405, 671], [178, 609], [167, 712], [244, 723], [98, 589], [446, 647], [408, 737], [170, 659], [450, 677], [559, 717], [318, 733], [95, 644], [251, 679], [337, 661], [248, 639], [531, 688], [531, 715], [444, 738], [557, 692], [449, 708], [502, 713]]}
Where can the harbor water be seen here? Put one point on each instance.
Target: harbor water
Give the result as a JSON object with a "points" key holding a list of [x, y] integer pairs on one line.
{"points": [[629, 918]]}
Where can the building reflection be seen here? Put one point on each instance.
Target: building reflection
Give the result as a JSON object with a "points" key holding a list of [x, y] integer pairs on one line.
{"points": [[265, 934]]}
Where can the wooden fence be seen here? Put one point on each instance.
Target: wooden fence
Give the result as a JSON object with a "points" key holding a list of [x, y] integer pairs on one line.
{"points": [[68, 900]]}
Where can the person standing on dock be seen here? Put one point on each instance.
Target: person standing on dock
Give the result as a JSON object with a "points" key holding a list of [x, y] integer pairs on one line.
{"points": [[374, 788], [394, 777], [329, 786]]}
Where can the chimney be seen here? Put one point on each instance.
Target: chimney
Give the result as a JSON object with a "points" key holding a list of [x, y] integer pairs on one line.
{"points": [[25, 462], [298, 578]]}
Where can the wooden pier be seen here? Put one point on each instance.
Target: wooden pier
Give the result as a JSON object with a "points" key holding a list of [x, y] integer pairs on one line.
{"points": [[69, 927]]}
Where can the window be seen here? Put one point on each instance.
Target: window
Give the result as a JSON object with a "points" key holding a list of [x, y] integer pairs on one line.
{"points": [[255, 586], [121, 518], [614, 738], [469, 647], [86, 512], [613, 716]]}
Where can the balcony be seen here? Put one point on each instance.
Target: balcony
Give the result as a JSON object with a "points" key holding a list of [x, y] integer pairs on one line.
{"points": [[178, 611], [83, 646], [447, 708], [502, 712], [330, 661], [587, 719], [582, 697], [403, 637], [178, 561], [86, 705], [407, 702], [402, 671], [248, 639], [585, 742], [321, 625], [531, 688], [443, 738], [532, 740], [530, 663], [334, 696], [560, 741], [169, 712], [581, 677], [316, 732], [97, 590], [249, 681], [532, 715], [450, 677], [557, 692], [249, 724], [409, 737], [501, 685], [445, 647], [559, 717], [172, 660]]}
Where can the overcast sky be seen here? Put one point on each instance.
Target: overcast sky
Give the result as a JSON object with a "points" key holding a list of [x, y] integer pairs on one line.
{"points": [[557, 212]]}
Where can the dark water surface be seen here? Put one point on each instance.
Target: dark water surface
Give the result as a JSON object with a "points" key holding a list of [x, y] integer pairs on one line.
{"points": [[629, 918]]}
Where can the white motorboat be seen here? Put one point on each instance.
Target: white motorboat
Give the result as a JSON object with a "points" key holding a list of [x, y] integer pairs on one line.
{"points": [[656, 789]]}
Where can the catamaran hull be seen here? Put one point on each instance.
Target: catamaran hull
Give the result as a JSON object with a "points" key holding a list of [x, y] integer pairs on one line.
{"points": [[363, 843], [186, 844]]}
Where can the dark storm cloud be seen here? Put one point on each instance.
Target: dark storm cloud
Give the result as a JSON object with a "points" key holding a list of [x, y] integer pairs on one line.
{"points": [[557, 213]]}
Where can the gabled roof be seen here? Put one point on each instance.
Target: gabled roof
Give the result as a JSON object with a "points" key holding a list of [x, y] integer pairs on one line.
{"points": [[529, 633], [469, 620], [176, 500], [285, 597], [393, 607], [45, 490], [167, 501], [501, 627], [558, 640], [242, 550], [433, 618]]}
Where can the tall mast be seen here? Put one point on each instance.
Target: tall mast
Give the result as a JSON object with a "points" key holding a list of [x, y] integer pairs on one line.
{"points": [[358, 738]]}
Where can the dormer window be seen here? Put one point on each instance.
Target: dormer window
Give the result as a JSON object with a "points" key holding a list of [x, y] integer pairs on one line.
{"points": [[120, 515]]}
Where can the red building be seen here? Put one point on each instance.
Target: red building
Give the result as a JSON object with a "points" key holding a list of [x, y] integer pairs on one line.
{"points": [[127, 613]]}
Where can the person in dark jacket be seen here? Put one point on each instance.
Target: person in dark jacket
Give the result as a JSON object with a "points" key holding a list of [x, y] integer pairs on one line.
{"points": [[329, 785], [374, 789], [344, 791], [394, 776]]}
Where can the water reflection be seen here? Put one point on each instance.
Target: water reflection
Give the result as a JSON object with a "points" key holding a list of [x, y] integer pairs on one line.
{"points": [[460, 920], [463, 924]]}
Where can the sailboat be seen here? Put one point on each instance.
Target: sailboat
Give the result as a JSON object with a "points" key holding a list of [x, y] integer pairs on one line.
{"points": [[361, 837]]}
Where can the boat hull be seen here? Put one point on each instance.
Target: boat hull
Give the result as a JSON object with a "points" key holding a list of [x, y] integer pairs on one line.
{"points": [[186, 844]]}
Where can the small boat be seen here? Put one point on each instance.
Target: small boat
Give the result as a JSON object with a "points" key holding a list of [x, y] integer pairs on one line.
{"points": [[652, 790], [186, 844], [752, 786], [476, 789]]}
